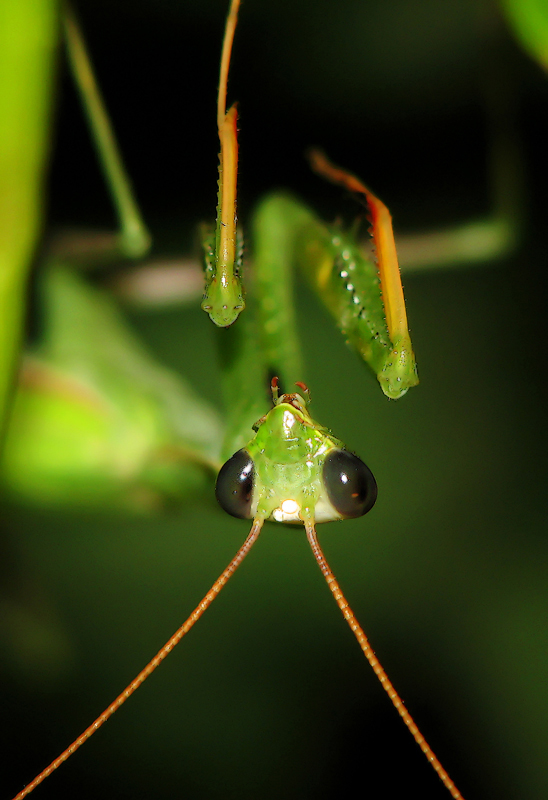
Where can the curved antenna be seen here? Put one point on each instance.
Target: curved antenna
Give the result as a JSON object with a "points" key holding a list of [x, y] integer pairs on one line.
{"points": [[368, 652], [153, 663]]}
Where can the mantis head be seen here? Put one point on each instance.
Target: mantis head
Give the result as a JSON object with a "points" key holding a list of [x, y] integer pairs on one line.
{"points": [[294, 470]]}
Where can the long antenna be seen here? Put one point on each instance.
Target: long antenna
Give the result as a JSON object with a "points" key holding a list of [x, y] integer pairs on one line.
{"points": [[153, 663], [368, 652]]}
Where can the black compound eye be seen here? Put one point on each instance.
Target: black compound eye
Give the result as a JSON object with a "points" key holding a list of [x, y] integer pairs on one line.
{"points": [[234, 487], [350, 485]]}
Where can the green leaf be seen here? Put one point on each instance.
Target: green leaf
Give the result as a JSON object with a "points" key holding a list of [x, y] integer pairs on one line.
{"points": [[96, 421], [529, 21]]}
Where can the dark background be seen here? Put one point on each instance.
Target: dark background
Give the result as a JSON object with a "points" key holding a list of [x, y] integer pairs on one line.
{"points": [[270, 697]]}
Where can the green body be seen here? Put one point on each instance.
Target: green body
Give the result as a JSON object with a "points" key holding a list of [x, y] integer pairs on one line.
{"points": [[96, 421], [77, 570], [103, 425]]}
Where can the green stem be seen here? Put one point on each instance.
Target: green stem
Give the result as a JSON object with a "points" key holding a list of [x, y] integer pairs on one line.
{"points": [[134, 237], [28, 34]]}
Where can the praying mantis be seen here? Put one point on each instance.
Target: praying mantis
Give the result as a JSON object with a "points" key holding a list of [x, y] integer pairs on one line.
{"points": [[297, 746]]}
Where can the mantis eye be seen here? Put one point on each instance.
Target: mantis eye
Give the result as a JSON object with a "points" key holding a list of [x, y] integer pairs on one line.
{"points": [[234, 487], [350, 485]]}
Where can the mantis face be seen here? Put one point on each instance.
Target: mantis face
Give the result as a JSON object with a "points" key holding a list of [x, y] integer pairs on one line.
{"points": [[295, 471]]}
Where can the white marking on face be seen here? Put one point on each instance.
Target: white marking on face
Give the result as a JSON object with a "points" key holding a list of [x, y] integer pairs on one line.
{"points": [[290, 506], [288, 421], [288, 511]]}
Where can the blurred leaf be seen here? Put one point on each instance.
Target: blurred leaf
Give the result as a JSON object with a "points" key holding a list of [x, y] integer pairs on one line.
{"points": [[28, 34], [96, 420], [529, 22]]}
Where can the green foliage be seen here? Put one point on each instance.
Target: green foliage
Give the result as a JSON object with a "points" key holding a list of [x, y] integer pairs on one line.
{"points": [[28, 33], [269, 697], [97, 422], [529, 22]]}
